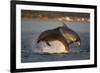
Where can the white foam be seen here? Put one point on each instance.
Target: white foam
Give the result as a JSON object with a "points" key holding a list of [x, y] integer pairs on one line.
{"points": [[55, 47]]}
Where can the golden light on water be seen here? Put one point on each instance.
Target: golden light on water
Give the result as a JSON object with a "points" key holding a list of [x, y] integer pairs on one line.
{"points": [[61, 16], [75, 19]]}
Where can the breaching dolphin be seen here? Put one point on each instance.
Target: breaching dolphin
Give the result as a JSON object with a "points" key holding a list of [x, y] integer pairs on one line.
{"points": [[62, 33]]}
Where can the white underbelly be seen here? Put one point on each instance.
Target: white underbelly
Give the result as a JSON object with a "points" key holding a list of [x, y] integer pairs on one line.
{"points": [[55, 47]]}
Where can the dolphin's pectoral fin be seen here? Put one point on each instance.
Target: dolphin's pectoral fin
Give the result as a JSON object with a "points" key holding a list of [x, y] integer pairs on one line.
{"points": [[48, 43], [45, 42]]}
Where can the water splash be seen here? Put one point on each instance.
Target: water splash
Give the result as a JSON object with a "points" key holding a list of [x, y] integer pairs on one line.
{"points": [[56, 47]]}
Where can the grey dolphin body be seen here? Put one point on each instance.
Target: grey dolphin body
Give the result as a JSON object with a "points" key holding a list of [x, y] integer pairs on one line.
{"points": [[62, 33]]}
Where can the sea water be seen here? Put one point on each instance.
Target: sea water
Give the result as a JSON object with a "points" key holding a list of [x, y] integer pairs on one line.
{"points": [[31, 29]]}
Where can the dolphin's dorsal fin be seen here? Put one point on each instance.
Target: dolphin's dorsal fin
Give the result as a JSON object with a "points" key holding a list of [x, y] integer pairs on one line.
{"points": [[64, 25]]}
